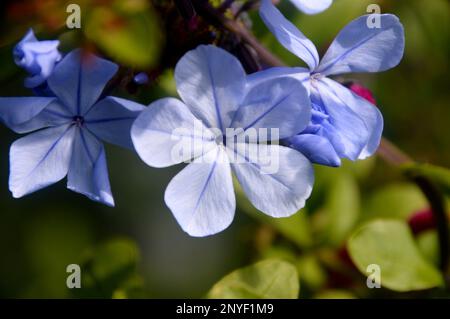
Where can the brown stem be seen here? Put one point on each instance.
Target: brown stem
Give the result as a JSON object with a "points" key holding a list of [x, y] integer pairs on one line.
{"points": [[392, 154], [216, 18]]}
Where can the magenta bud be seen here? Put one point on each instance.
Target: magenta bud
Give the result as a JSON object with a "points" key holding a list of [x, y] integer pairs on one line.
{"points": [[421, 221], [362, 91]]}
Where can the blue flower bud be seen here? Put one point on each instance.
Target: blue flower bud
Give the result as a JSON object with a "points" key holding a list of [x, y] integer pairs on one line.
{"points": [[38, 58], [141, 78]]}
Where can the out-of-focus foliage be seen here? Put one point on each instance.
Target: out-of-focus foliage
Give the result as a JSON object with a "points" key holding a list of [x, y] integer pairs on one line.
{"points": [[395, 200], [390, 246], [267, 279], [128, 31], [440, 175], [110, 270], [341, 206]]}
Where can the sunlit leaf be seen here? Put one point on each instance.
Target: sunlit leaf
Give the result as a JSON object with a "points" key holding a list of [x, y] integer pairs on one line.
{"points": [[390, 245], [428, 244], [267, 279], [399, 200]]}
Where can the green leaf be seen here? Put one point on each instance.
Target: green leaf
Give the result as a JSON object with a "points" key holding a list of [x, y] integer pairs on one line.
{"points": [[399, 201], [439, 174], [335, 294], [295, 228], [313, 274], [267, 279], [390, 245], [428, 244], [109, 268], [130, 35], [342, 208], [361, 169], [337, 204], [280, 252]]}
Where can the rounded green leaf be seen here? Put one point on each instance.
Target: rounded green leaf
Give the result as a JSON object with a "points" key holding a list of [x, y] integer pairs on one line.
{"points": [[428, 244], [397, 200], [389, 244], [267, 279]]}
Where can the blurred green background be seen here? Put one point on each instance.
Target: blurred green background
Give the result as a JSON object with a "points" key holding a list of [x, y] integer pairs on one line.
{"points": [[138, 250]]}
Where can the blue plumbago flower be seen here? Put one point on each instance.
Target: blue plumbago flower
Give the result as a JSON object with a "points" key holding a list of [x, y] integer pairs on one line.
{"points": [[216, 100], [37, 57], [343, 125], [312, 6], [69, 129]]}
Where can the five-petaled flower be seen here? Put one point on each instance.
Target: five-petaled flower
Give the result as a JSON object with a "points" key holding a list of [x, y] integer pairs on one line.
{"points": [[69, 129], [213, 87], [38, 58], [343, 125], [312, 6]]}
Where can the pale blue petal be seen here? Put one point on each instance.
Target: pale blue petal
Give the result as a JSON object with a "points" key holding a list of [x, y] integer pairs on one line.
{"points": [[282, 104], [111, 118], [40, 159], [277, 180], [211, 82], [88, 172], [369, 113], [167, 133], [312, 6], [300, 74], [53, 114], [78, 80], [39, 47], [201, 196], [358, 48], [288, 35], [316, 148], [346, 129], [25, 114]]}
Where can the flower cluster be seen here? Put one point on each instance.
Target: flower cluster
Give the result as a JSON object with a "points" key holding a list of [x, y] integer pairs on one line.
{"points": [[343, 125], [266, 128]]}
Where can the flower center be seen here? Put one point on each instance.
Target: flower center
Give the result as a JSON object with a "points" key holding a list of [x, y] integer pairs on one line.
{"points": [[315, 77], [78, 121]]}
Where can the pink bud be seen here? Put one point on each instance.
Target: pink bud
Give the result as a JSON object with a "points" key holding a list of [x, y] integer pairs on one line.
{"points": [[362, 92], [421, 221]]}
